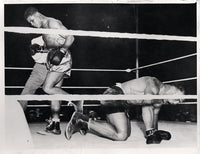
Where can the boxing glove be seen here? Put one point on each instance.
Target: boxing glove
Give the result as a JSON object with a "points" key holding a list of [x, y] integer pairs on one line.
{"points": [[56, 55], [35, 48]]}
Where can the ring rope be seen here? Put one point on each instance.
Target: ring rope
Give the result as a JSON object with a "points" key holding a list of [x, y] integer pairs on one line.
{"points": [[100, 70], [114, 70], [46, 105], [64, 87], [28, 30], [180, 80], [93, 87], [99, 97], [73, 69], [162, 62], [110, 1]]}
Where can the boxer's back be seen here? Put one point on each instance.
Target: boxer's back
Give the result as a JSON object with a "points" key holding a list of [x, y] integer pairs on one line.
{"points": [[141, 85]]}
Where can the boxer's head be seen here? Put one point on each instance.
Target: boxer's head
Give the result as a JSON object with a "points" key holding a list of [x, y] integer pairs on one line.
{"points": [[174, 90], [33, 17]]}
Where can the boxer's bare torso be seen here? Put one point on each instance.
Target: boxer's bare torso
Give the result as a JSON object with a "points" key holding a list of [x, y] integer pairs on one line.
{"points": [[141, 86], [53, 40], [149, 86]]}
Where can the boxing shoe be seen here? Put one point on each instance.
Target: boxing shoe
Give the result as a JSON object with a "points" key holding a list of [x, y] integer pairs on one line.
{"points": [[92, 115], [165, 135], [78, 122], [152, 137], [78, 107], [53, 127], [50, 125]]}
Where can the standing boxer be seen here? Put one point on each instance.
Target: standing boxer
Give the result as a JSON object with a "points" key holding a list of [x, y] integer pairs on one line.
{"points": [[117, 126], [58, 62]]}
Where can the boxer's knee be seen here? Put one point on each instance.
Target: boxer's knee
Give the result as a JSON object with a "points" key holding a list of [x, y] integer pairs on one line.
{"points": [[47, 88], [122, 136]]}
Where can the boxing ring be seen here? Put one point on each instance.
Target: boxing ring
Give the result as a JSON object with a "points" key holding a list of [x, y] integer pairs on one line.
{"points": [[184, 134]]}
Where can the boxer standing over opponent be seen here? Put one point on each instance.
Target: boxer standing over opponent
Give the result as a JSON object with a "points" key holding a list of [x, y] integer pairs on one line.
{"points": [[117, 126], [59, 61]]}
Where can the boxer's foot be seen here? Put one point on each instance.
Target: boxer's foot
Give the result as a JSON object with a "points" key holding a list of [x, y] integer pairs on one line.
{"points": [[152, 137], [165, 135], [53, 127], [78, 122]]}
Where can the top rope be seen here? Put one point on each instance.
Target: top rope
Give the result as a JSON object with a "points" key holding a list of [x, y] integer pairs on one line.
{"points": [[28, 30]]}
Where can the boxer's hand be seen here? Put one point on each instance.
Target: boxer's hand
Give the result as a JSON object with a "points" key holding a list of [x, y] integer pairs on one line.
{"points": [[35, 48], [56, 55]]}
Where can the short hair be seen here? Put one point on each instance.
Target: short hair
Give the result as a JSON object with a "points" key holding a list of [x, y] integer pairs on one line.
{"points": [[29, 12], [179, 87]]}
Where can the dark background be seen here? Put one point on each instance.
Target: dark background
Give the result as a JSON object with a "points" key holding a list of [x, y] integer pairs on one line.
{"points": [[111, 53]]}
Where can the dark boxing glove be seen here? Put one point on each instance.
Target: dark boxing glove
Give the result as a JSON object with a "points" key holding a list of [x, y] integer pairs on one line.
{"points": [[56, 55], [35, 48]]}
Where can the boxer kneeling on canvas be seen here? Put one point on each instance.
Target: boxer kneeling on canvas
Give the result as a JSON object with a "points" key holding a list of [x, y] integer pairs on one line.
{"points": [[117, 126]]}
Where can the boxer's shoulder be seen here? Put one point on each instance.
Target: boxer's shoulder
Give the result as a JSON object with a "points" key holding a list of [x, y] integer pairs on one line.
{"points": [[53, 23]]}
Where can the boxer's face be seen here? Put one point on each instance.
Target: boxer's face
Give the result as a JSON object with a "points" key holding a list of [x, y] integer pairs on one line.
{"points": [[34, 21]]}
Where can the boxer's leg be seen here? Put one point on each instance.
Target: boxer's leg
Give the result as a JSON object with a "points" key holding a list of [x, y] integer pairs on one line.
{"points": [[34, 82], [116, 128], [165, 135], [156, 111], [55, 105], [147, 115], [54, 124], [52, 79]]}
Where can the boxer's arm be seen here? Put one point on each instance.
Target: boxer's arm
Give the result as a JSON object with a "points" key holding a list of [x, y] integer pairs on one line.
{"points": [[38, 40], [67, 39], [151, 90], [37, 46], [39, 57]]}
